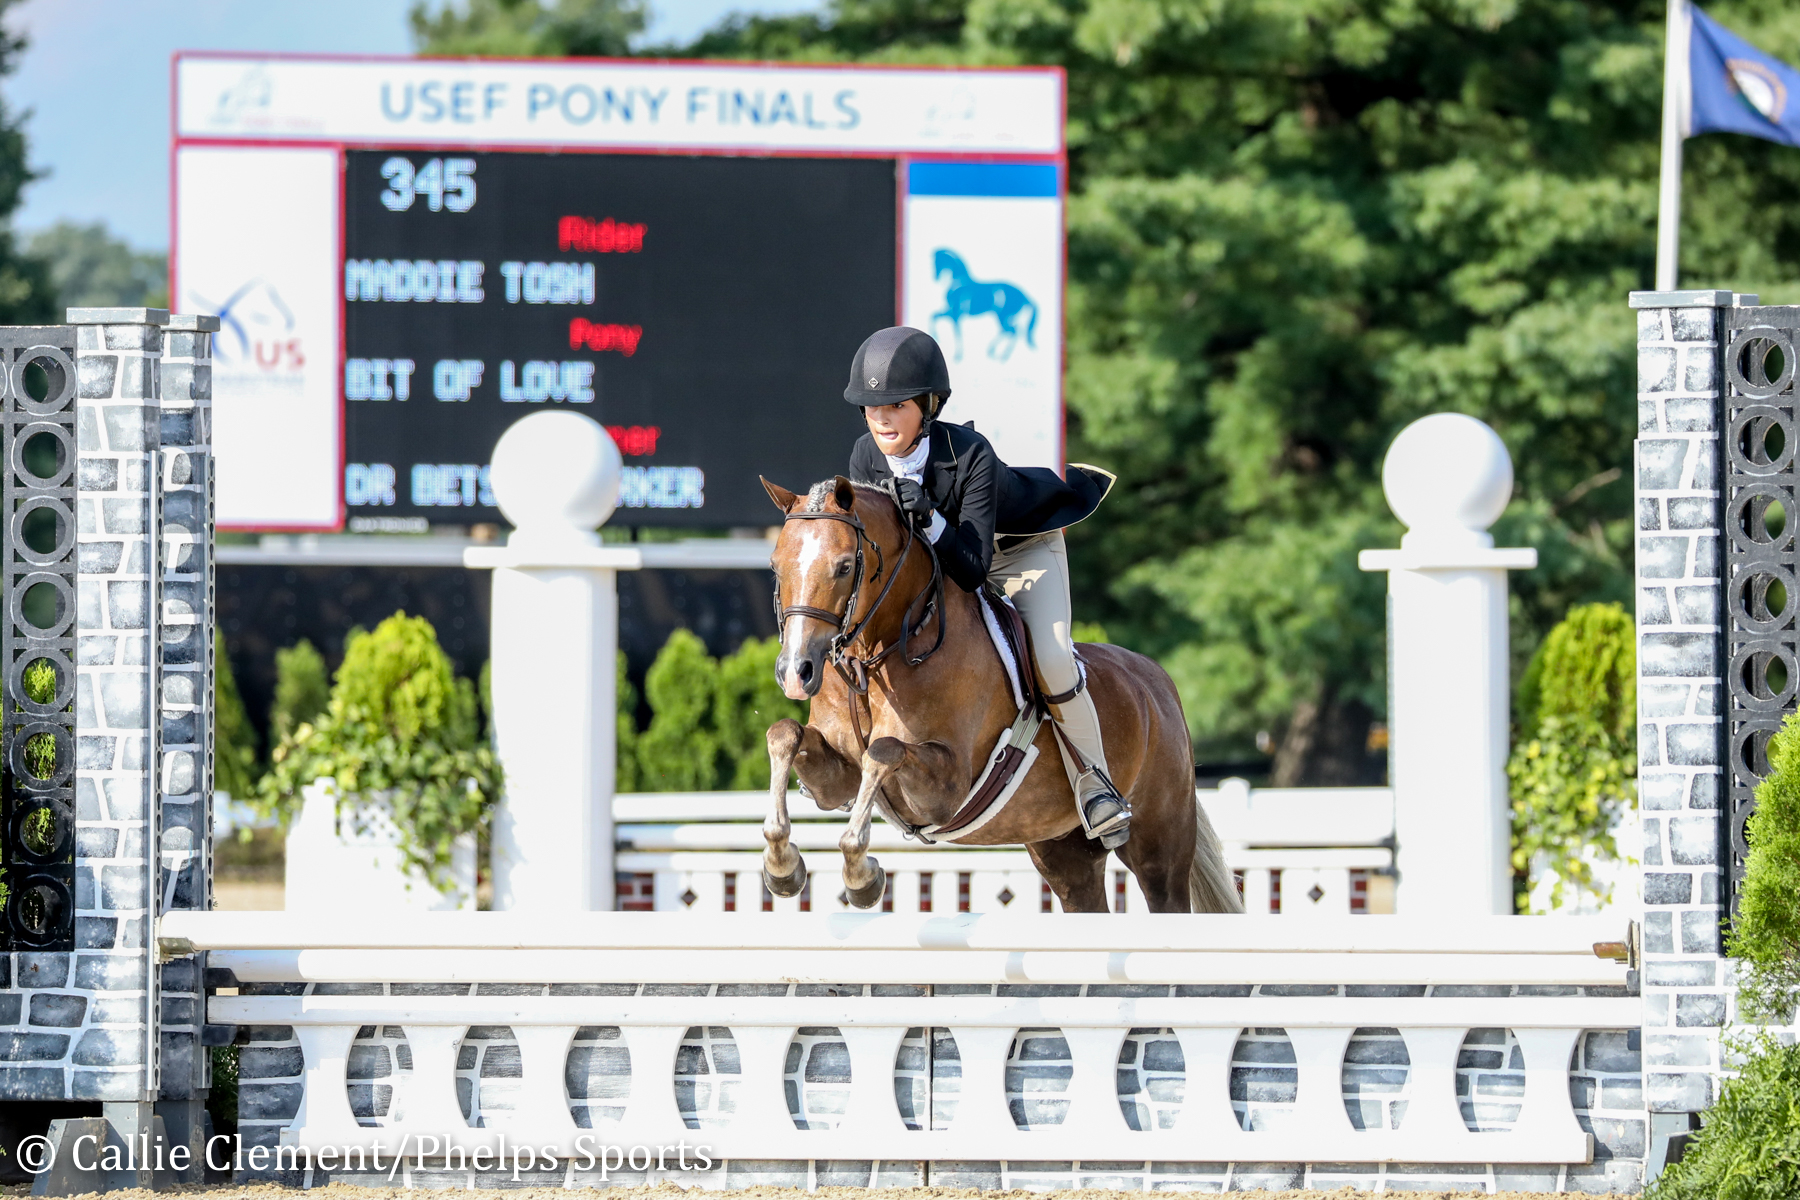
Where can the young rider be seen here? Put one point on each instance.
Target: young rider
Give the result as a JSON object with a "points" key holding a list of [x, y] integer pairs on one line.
{"points": [[989, 524]]}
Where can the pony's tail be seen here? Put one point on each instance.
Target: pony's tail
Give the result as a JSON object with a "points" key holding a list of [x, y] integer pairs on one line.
{"points": [[1211, 886]]}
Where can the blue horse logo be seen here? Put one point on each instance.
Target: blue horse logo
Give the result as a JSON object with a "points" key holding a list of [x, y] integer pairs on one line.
{"points": [[967, 296]]}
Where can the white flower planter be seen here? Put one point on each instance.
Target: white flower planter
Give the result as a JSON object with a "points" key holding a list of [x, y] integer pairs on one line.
{"points": [[334, 867]]}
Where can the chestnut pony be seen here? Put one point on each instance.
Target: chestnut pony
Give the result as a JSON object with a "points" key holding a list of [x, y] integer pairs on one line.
{"points": [[848, 573]]}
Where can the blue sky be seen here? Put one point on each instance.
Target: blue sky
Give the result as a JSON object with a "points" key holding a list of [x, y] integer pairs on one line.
{"points": [[96, 79]]}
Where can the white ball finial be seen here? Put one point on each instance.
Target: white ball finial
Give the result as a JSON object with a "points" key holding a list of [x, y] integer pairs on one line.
{"points": [[1447, 477], [556, 477]]}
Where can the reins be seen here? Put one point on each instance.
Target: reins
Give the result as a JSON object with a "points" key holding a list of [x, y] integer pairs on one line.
{"points": [[855, 669]]}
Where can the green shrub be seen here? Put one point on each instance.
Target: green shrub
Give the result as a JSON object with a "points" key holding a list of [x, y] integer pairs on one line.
{"points": [[1765, 932], [1748, 1147], [625, 699], [301, 691], [679, 752], [235, 769], [222, 1100], [484, 691], [709, 718], [1092, 632], [1574, 765], [39, 678], [746, 703], [399, 722]]}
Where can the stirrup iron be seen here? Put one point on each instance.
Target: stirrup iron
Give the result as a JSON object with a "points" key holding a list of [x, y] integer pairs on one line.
{"points": [[1112, 823]]}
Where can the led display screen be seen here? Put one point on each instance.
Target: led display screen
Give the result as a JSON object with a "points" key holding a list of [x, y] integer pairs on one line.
{"points": [[703, 309]]}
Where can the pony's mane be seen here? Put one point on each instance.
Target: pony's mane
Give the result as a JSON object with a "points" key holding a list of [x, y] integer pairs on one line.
{"points": [[825, 489]]}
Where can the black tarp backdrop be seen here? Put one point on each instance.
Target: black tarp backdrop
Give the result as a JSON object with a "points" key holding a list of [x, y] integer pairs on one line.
{"points": [[265, 608], [262, 609]]}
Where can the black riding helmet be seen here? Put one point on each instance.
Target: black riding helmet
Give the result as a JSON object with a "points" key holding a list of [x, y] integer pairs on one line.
{"points": [[897, 364]]}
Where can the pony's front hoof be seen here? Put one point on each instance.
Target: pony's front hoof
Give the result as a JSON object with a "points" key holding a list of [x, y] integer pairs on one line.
{"points": [[786, 886], [869, 894]]}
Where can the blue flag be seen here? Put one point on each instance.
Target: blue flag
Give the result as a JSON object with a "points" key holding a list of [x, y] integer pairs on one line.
{"points": [[1736, 88]]}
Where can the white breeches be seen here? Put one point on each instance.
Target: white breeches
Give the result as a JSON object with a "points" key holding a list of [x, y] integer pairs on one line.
{"points": [[1035, 576]]}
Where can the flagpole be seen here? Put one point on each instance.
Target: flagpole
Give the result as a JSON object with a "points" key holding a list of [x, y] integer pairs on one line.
{"points": [[1675, 93]]}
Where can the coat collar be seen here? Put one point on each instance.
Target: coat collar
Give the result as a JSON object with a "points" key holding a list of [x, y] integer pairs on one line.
{"points": [[943, 452]]}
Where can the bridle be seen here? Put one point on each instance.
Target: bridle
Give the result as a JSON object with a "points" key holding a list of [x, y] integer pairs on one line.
{"points": [[854, 668]]}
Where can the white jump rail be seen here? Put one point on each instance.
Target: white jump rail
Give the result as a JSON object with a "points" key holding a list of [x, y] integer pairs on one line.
{"points": [[1003, 948], [692, 842]]}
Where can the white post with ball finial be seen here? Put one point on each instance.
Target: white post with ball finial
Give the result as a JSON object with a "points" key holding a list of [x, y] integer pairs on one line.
{"points": [[555, 639], [1448, 477]]}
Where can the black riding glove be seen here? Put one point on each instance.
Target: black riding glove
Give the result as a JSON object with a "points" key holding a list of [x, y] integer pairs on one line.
{"points": [[913, 501]]}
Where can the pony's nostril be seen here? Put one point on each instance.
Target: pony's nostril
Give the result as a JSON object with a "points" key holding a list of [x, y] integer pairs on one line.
{"points": [[804, 671]]}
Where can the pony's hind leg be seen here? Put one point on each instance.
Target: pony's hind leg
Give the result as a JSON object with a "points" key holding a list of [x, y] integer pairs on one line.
{"points": [[1074, 866], [784, 871]]}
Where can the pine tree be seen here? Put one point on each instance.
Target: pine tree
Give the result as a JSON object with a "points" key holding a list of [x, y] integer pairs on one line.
{"points": [[26, 294], [523, 28]]}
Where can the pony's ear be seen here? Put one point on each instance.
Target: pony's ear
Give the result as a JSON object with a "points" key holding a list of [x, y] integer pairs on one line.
{"points": [[784, 499], [845, 493]]}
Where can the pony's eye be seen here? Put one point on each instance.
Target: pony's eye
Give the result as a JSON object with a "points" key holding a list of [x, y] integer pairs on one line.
{"points": [[843, 568]]}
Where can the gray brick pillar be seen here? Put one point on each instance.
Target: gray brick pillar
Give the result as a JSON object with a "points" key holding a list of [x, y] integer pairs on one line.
{"points": [[1681, 697], [118, 366], [186, 664]]}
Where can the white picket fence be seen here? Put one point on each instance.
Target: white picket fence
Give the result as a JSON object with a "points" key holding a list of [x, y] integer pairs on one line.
{"points": [[1091, 981], [1299, 851]]}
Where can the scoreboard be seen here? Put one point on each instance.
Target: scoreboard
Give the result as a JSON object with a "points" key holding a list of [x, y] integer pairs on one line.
{"points": [[692, 265], [700, 306]]}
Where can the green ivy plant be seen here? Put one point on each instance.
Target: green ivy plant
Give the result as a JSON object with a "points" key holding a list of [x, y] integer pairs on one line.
{"points": [[1574, 765], [402, 727]]}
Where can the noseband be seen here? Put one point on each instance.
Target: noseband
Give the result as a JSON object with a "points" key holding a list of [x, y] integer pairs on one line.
{"points": [[855, 669]]}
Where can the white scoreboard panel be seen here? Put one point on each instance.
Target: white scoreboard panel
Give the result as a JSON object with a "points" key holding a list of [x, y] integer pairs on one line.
{"points": [[334, 368]]}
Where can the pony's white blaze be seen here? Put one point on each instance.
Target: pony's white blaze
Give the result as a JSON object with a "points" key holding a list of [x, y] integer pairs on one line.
{"points": [[812, 545]]}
